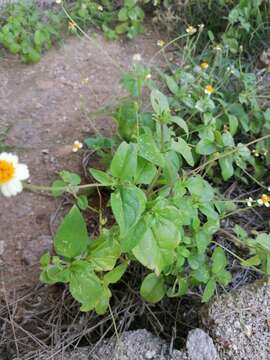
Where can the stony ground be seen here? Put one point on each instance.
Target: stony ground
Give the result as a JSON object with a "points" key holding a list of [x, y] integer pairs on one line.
{"points": [[45, 107]]}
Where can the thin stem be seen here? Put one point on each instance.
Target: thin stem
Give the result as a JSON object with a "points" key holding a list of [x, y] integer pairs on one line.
{"points": [[49, 188]]}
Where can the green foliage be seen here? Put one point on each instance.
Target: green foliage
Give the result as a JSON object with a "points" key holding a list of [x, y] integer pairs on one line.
{"points": [[163, 169], [24, 31]]}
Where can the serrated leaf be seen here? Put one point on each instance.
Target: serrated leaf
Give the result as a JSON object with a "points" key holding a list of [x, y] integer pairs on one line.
{"points": [[71, 238]]}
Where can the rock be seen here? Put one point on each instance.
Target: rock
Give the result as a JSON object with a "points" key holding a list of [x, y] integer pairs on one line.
{"points": [[139, 345], [200, 346], [35, 248], [239, 323], [133, 345]]}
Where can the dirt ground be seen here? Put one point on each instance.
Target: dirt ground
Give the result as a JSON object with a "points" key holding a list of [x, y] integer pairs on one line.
{"points": [[44, 107]]}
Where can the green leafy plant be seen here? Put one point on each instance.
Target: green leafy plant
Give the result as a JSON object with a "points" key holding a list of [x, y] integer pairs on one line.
{"points": [[165, 216], [23, 31]]}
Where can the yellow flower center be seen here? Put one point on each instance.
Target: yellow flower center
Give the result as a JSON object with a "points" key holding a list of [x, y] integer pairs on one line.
{"points": [[209, 89], [265, 198], [204, 65], [7, 171]]}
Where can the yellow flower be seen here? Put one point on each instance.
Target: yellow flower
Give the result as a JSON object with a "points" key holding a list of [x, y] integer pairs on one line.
{"points": [[71, 25], [148, 77], [11, 174], [204, 65], [160, 43], [191, 30], [77, 145], [209, 89], [100, 7], [264, 200]]}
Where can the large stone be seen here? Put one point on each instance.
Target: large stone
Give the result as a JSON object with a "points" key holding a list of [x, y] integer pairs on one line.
{"points": [[200, 346]]}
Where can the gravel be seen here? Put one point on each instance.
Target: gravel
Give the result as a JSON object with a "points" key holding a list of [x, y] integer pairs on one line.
{"points": [[239, 323]]}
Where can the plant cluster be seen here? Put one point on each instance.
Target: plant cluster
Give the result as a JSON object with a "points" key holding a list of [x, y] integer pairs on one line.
{"points": [[166, 168], [24, 31]]}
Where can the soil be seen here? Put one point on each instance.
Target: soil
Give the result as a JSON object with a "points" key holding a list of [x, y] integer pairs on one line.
{"points": [[45, 107]]}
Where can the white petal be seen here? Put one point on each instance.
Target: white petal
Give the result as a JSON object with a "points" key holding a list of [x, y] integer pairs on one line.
{"points": [[267, 204], [260, 202], [11, 188], [9, 157], [22, 172]]}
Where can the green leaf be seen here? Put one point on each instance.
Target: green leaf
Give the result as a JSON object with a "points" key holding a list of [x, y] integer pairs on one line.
{"points": [[124, 162], [183, 148], [219, 260], [145, 172], [202, 241], [264, 241], [159, 102], [180, 122], [147, 149], [128, 204], [224, 278], [233, 124], [115, 275], [54, 274], [71, 238], [70, 178], [155, 249], [103, 252], [84, 285], [127, 119], [102, 177], [205, 147], [227, 139], [133, 236], [82, 202], [201, 274], [226, 165], [209, 290], [200, 188], [58, 188], [153, 288], [252, 261], [172, 84]]}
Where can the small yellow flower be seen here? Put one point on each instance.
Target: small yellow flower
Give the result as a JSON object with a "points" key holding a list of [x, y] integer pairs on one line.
{"points": [[160, 43], [191, 30], [71, 25], [148, 76], [12, 173], [100, 7], [204, 65], [77, 145], [209, 89], [264, 200]]}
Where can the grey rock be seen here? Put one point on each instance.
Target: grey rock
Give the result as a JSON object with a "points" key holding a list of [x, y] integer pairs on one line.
{"points": [[200, 346], [239, 323]]}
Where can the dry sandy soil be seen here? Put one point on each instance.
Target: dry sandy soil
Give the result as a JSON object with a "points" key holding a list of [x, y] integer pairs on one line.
{"points": [[44, 105]]}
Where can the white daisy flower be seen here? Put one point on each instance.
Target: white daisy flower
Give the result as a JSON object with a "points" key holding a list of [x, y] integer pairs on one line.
{"points": [[12, 173], [137, 57], [77, 145], [58, 1], [264, 200], [249, 201]]}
